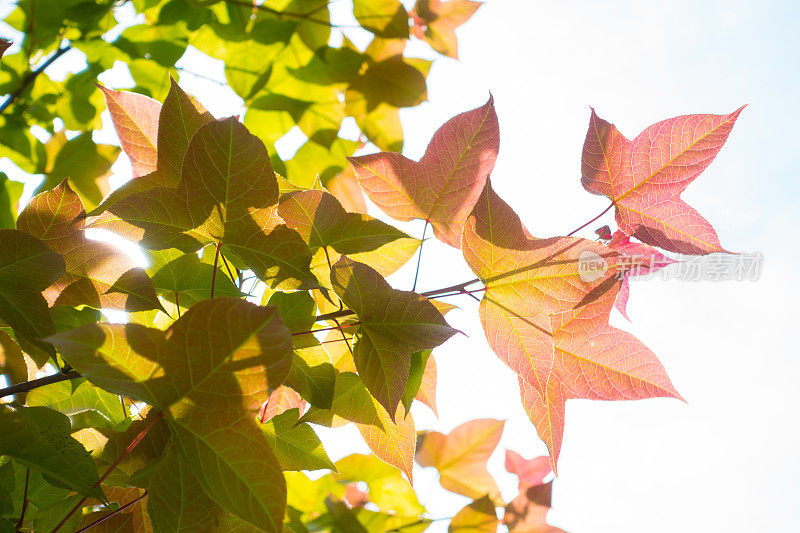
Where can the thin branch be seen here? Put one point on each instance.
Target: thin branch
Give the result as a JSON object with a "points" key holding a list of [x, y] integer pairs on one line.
{"points": [[31, 77], [310, 331], [116, 463], [201, 76], [576, 230], [24, 501], [36, 383], [112, 513], [419, 256], [227, 268], [214, 273]]}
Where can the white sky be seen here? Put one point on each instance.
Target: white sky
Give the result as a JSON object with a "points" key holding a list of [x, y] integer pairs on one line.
{"points": [[727, 460]]}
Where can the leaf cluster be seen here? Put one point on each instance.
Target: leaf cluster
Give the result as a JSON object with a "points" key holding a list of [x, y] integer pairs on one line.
{"points": [[200, 412]]}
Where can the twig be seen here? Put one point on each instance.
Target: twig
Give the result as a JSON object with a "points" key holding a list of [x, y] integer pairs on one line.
{"points": [[36, 383], [419, 256], [576, 230], [24, 501], [27, 80], [112, 513]]}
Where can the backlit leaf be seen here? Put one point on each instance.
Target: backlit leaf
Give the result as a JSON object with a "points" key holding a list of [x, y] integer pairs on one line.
{"points": [[393, 325], [75, 396], [645, 177], [436, 21], [176, 502], [178, 120], [392, 442], [86, 164], [461, 455], [39, 438], [295, 444], [387, 488], [545, 314], [10, 192], [96, 273], [480, 516], [644, 260], [135, 118], [444, 185], [214, 366], [27, 267], [322, 221], [385, 18], [227, 194]]}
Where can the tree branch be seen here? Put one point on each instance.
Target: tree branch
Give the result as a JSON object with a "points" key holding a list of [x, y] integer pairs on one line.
{"points": [[36, 383], [31, 77]]}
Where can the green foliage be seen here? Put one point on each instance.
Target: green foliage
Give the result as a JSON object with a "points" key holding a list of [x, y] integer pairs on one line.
{"points": [[202, 408]]}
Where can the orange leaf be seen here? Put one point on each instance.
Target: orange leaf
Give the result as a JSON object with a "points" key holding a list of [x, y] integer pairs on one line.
{"points": [[444, 185], [96, 273], [480, 516], [546, 316], [646, 176], [135, 118], [461, 455]]}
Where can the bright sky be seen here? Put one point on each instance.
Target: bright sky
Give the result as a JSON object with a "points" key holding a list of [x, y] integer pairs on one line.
{"points": [[727, 460]]}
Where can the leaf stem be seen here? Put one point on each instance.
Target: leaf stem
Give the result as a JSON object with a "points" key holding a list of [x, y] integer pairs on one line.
{"points": [[214, 272], [116, 463], [24, 501], [27, 80], [419, 255], [112, 513], [36, 383], [576, 230], [326, 329], [228, 269]]}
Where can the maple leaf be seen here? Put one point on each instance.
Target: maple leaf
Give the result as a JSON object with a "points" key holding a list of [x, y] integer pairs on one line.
{"points": [[546, 317], [444, 185], [295, 443], [135, 118], [27, 267], [329, 231], [645, 177], [435, 21], [531, 472], [528, 510], [461, 455], [391, 439], [393, 325], [479, 516], [204, 378], [96, 274], [281, 400], [227, 194], [39, 438], [644, 260], [176, 501], [386, 487], [153, 132]]}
